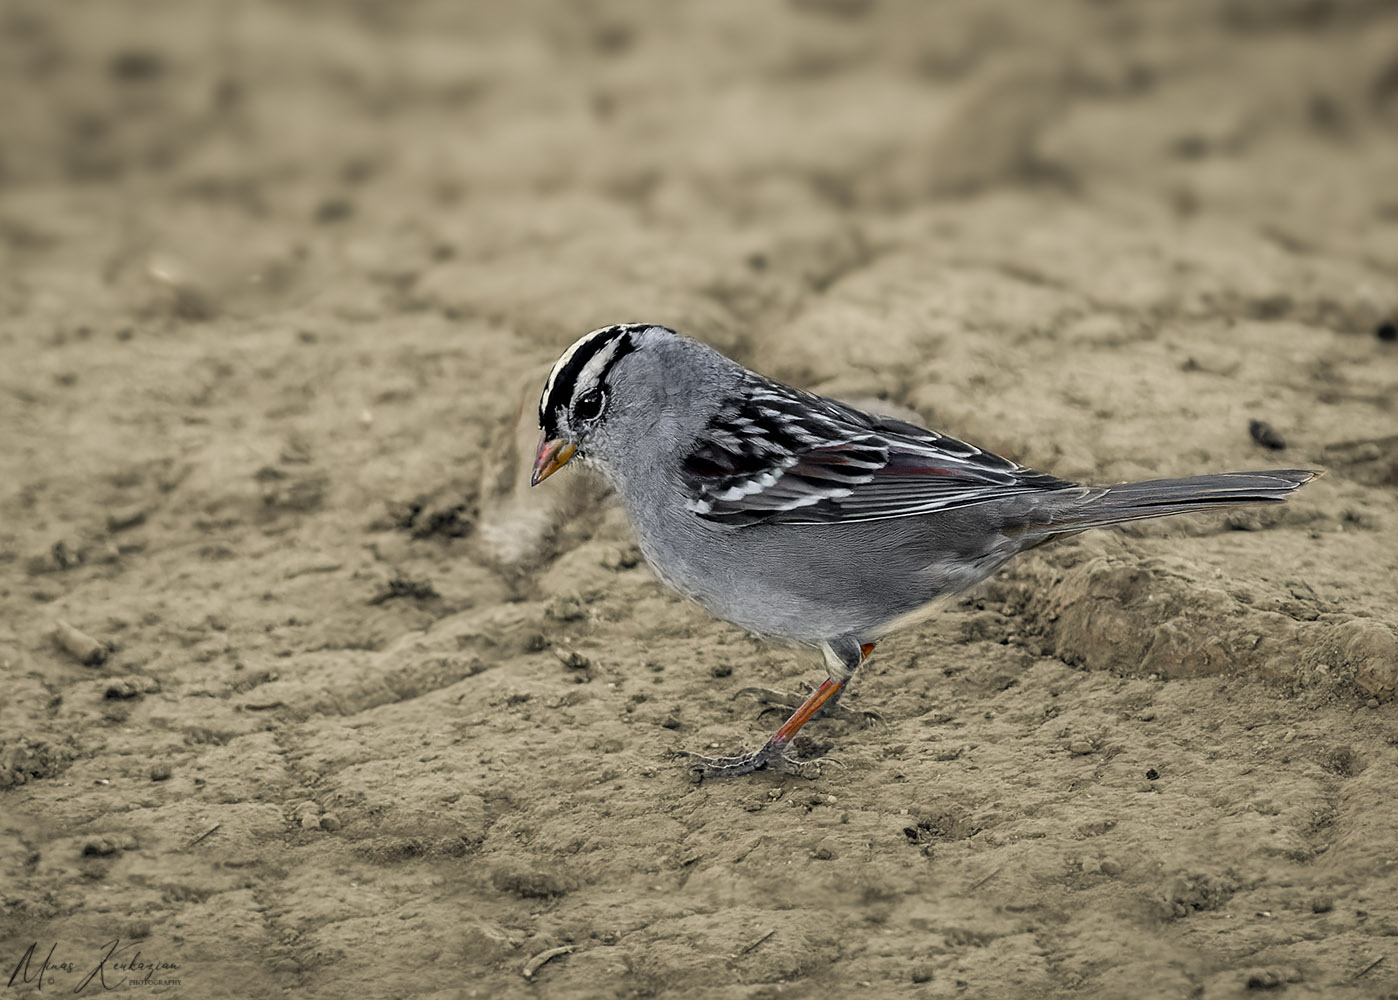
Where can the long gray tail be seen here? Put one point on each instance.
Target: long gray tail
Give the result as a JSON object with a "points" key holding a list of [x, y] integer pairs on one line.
{"points": [[1162, 497]]}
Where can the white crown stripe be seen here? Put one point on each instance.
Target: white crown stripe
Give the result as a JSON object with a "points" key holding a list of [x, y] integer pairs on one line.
{"points": [[592, 371], [567, 356], [620, 339]]}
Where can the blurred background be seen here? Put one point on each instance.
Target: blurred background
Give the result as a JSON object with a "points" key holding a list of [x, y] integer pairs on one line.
{"points": [[240, 157], [279, 283]]}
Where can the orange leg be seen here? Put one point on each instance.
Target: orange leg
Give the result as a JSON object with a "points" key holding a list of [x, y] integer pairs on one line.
{"points": [[771, 752], [792, 726]]}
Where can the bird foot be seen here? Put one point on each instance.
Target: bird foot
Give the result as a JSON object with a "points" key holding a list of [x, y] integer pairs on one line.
{"points": [[769, 758], [783, 699]]}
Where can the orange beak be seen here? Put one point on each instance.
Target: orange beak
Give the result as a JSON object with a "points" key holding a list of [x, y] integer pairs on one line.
{"points": [[551, 456]]}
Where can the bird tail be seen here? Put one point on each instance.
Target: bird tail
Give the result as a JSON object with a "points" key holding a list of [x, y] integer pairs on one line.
{"points": [[1163, 497]]}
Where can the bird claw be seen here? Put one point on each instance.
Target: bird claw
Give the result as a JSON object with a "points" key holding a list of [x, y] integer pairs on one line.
{"points": [[769, 758]]}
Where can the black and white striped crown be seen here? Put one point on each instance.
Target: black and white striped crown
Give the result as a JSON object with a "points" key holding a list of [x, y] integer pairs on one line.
{"points": [[586, 364]]}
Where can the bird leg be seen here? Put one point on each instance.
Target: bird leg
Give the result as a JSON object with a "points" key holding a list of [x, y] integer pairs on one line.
{"points": [[832, 709], [772, 755]]}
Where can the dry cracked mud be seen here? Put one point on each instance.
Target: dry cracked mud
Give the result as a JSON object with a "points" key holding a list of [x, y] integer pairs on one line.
{"points": [[340, 708]]}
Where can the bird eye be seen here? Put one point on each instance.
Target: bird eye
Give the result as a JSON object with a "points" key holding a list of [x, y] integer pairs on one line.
{"points": [[589, 407]]}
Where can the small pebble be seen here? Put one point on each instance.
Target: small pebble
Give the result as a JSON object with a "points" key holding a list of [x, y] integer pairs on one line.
{"points": [[1110, 866], [566, 609], [572, 659], [101, 847], [1289, 735], [1080, 747], [921, 973], [1266, 435], [124, 518], [85, 649], [160, 772], [825, 851], [1372, 703], [330, 822], [1322, 904], [126, 688], [307, 815], [1152, 774], [621, 558], [1264, 979]]}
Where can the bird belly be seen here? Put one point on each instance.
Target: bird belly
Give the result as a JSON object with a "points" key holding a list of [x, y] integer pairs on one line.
{"points": [[802, 583]]}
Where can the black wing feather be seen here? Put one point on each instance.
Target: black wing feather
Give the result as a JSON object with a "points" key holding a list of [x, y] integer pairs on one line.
{"points": [[779, 455]]}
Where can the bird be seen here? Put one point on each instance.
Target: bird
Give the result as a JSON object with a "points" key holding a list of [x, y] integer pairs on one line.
{"points": [[803, 519]]}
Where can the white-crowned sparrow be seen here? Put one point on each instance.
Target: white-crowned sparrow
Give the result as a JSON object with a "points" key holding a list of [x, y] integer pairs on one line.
{"points": [[800, 518]]}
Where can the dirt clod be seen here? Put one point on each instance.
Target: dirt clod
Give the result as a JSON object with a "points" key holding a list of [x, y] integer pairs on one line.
{"points": [[23, 760], [83, 647], [134, 686], [1266, 435], [531, 882], [1340, 760], [572, 659], [1186, 894], [402, 586], [568, 608]]}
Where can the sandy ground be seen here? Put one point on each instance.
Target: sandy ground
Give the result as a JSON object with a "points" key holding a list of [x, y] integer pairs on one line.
{"points": [[361, 716]]}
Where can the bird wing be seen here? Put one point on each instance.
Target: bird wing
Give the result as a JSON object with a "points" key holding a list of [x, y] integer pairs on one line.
{"points": [[774, 454]]}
